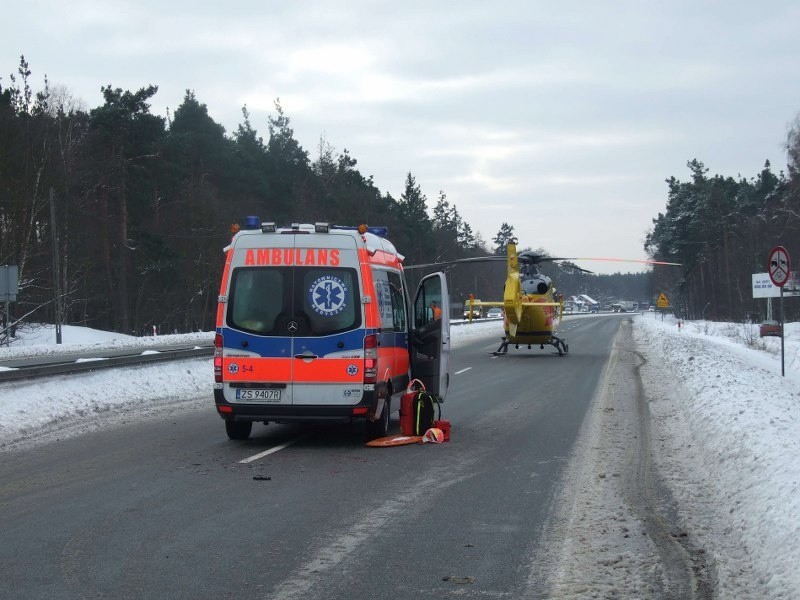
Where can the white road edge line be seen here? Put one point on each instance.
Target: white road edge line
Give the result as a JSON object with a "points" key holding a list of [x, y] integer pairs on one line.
{"points": [[461, 371], [270, 451]]}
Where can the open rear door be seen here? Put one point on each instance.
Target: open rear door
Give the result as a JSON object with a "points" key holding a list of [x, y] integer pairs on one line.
{"points": [[430, 334]]}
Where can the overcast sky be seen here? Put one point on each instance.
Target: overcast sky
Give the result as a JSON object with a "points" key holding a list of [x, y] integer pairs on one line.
{"points": [[562, 119]]}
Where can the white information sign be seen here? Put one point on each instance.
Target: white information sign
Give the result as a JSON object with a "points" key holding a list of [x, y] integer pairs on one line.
{"points": [[9, 283], [764, 288]]}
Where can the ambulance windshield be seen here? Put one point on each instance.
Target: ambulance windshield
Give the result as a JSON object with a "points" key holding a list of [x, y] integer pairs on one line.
{"points": [[294, 301]]}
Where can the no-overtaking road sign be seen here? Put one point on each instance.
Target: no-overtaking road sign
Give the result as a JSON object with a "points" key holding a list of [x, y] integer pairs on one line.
{"points": [[778, 266]]}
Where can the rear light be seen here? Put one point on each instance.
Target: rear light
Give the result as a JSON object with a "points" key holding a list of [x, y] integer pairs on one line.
{"points": [[218, 358], [360, 410], [371, 359], [224, 408]]}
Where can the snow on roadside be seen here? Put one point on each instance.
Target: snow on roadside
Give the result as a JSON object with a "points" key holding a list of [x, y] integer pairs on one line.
{"points": [[40, 340], [727, 425], [29, 406]]}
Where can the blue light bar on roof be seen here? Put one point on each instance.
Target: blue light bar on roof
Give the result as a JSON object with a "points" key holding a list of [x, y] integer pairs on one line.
{"points": [[252, 222], [379, 230]]}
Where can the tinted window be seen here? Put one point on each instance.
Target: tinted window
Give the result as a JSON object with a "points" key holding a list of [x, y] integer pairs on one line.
{"points": [[319, 300], [383, 294], [257, 297], [398, 302], [391, 300], [428, 301]]}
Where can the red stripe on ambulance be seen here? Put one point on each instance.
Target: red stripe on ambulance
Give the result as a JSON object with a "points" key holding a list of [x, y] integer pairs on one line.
{"points": [[257, 369]]}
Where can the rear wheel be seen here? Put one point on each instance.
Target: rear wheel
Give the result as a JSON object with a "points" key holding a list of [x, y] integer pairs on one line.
{"points": [[380, 428], [238, 430]]}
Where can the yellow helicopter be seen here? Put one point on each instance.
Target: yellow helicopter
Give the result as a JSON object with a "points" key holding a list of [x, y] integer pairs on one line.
{"points": [[530, 305], [532, 308]]}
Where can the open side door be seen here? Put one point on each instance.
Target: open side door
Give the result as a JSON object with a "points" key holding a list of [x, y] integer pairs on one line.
{"points": [[429, 344]]}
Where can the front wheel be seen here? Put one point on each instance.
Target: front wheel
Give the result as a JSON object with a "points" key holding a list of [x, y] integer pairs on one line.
{"points": [[380, 428], [238, 430]]}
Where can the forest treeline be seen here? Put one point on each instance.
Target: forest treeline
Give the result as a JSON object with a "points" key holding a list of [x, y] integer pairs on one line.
{"points": [[722, 229], [142, 205]]}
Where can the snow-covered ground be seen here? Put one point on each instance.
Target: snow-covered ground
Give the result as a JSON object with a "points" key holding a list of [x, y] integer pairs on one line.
{"points": [[729, 445], [728, 427]]}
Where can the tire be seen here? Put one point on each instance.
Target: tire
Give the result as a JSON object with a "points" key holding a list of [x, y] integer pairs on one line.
{"points": [[238, 430], [380, 428]]}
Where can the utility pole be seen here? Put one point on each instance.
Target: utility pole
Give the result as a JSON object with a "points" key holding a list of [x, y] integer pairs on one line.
{"points": [[56, 273]]}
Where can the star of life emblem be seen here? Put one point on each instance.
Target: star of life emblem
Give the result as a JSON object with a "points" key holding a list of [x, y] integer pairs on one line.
{"points": [[328, 295]]}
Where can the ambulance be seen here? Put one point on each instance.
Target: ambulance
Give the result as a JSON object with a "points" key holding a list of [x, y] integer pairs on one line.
{"points": [[315, 323]]}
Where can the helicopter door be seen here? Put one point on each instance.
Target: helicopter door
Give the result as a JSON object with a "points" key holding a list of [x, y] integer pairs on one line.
{"points": [[430, 336]]}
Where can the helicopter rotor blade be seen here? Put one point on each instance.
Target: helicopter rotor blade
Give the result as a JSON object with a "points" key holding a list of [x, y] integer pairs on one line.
{"points": [[570, 266], [528, 257], [633, 260], [474, 259]]}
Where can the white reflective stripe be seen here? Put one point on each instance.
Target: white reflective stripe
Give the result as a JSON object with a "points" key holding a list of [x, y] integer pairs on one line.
{"points": [[270, 451]]}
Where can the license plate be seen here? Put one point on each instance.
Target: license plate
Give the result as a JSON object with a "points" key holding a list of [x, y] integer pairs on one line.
{"points": [[267, 395]]}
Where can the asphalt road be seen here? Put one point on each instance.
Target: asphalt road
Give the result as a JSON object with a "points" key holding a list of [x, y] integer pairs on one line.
{"points": [[165, 508]]}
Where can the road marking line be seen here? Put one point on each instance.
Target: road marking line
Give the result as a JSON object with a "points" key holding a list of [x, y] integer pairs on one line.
{"points": [[270, 451], [461, 371]]}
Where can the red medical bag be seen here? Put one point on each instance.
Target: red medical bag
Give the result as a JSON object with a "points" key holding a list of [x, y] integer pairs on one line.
{"points": [[407, 406]]}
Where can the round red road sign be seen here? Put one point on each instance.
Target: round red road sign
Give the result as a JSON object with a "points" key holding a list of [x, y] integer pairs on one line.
{"points": [[778, 266]]}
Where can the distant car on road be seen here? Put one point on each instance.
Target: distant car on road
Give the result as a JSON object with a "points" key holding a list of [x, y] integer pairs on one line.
{"points": [[495, 313], [476, 310], [770, 328]]}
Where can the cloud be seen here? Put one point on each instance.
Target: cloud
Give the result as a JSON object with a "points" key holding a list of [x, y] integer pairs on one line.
{"points": [[521, 111]]}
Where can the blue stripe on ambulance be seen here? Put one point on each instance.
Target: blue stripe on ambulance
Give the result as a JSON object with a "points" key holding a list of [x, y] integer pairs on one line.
{"points": [[261, 345]]}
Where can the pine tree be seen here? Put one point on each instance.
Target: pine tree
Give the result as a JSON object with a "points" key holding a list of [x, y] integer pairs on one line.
{"points": [[504, 237]]}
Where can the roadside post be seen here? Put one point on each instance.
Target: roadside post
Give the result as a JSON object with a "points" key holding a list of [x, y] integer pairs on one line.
{"points": [[779, 266], [9, 287]]}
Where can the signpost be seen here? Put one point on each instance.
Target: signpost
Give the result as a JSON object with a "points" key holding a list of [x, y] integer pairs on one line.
{"points": [[779, 268], [9, 286]]}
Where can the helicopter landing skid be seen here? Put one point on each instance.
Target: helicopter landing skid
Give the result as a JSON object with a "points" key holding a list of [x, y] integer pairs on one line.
{"points": [[503, 349], [555, 341], [560, 345]]}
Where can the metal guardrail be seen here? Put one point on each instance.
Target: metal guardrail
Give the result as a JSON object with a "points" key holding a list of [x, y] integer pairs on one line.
{"points": [[93, 364]]}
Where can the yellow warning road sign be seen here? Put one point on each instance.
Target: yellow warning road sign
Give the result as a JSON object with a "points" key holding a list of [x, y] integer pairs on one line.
{"points": [[662, 301]]}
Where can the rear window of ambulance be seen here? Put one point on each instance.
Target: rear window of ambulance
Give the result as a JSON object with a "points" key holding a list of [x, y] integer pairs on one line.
{"points": [[320, 300]]}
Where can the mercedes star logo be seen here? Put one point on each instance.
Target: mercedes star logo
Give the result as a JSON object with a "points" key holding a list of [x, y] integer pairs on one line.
{"points": [[292, 326]]}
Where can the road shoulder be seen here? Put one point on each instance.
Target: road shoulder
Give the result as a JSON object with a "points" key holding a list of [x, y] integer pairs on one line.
{"points": [[613, 530]]}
